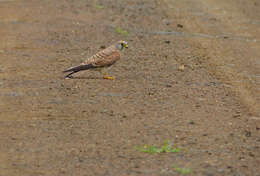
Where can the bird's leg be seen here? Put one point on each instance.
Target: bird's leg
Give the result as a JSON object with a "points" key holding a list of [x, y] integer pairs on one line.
{"points": [[106, 76], [99, 70]]}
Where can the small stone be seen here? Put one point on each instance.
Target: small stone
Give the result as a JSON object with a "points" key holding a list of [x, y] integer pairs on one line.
{"points": [[191, 122], [251, 154], [181, 68], [102, 47], [220, 170], [248, 133], [179, 25], [236, 115]]}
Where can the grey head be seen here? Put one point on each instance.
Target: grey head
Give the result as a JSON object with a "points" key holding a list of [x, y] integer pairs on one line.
{"points": [[120, 45]]}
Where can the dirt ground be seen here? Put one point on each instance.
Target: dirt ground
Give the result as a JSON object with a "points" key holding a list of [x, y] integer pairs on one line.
{"points": [[191, 75]]}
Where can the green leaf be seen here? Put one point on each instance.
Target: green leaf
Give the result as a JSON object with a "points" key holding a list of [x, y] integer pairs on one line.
{"points": [[100, 6], [166, 148], [182, 170], [121, 31]]}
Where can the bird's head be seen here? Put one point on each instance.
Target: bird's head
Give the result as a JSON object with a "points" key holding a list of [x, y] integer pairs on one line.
{"points": [[121, 45]]}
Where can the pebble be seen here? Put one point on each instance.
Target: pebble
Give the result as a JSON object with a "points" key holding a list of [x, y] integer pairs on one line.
{"points": [[179, 25], [181, 68]]}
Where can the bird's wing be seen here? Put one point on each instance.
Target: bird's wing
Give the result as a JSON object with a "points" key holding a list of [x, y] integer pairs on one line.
{"points": [[107, 60], [103, 58]]}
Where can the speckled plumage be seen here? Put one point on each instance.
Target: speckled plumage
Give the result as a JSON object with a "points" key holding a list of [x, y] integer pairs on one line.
{"points": [[104, 58]]}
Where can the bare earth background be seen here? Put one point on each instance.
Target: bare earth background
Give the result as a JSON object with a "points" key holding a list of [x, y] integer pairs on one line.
{"points": [[191, 75]]}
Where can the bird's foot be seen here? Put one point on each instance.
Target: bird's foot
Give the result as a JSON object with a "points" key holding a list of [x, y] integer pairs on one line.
{"points": [[108, 77]]}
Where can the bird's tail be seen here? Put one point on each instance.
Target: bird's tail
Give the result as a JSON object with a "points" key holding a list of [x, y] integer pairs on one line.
{"points": [[79, 68]]}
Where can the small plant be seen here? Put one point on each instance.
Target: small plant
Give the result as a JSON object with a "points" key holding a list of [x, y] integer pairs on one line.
{"points": [[182, 170], [121, 31], [166, 148], [100, 6]]}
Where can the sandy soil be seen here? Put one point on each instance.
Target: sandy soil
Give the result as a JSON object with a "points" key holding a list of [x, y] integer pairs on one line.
{"points": [[191, 75]]}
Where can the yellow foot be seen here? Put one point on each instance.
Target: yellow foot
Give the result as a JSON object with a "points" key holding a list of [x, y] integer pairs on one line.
{"points": [[108, 77]]}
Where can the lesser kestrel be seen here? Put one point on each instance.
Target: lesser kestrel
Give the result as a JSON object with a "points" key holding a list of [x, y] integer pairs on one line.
{"points": [[104, 58]]}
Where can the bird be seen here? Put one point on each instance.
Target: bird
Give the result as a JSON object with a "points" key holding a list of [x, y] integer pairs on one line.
{"points": [[102, 59]]}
